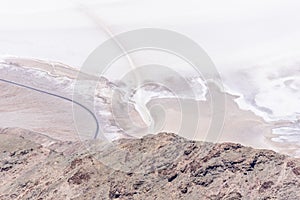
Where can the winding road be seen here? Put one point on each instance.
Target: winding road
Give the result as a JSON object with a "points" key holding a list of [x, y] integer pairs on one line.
{"points": [[61, 97]]}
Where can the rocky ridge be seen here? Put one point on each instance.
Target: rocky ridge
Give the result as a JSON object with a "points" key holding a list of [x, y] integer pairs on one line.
{"points": [[162, 166]]}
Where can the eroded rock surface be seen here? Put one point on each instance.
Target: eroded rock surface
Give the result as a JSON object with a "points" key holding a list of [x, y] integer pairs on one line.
{"points": [[162, 166]]}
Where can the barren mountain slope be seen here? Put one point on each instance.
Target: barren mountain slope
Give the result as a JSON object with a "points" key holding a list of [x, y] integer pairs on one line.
{"points": [[163, 166]]}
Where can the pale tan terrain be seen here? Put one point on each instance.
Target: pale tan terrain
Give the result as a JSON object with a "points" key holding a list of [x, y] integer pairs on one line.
{"points": [[21, 107], [45, 156]]}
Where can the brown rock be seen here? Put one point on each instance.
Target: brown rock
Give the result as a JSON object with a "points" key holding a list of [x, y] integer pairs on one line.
{"points": [[162, 166]]}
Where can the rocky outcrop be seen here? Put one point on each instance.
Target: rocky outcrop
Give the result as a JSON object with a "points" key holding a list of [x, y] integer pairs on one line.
{"points": [[162, 166]]}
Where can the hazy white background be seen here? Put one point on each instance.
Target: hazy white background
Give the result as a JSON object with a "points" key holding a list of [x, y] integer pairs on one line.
{"points": [[255, 44], [234, 33]]}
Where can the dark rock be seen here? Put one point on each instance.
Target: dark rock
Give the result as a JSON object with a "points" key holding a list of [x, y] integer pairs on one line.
{"points": [[79, 177], [296, 171], [265, 186]]}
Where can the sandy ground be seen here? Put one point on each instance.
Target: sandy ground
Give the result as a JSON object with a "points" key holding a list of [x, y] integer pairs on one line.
{"points": [[238, 126], [42, 113], [34, 111], [54, 69]]}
